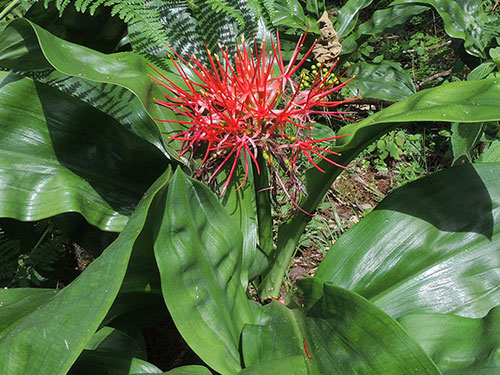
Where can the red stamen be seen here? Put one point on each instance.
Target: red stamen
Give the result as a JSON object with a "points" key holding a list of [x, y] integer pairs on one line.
{"points": [[307, 351]]}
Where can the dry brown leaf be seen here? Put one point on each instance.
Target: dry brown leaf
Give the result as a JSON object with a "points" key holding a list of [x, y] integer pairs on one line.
{"points": [[327, 47]]}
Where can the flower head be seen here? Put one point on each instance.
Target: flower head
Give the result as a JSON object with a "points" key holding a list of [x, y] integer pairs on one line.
{"points": [[248, 103]]}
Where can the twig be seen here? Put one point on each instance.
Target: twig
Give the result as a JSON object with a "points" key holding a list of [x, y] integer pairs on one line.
{"points": [[433, 77], [432, 48], [495, 6], [372, 101]]}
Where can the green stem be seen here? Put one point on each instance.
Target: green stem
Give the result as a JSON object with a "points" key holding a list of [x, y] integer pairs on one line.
{"points": [[317, 184], [42, 237]]}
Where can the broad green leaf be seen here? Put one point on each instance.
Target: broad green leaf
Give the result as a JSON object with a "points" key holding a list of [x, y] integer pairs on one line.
{"points": [[335, 332], [117, 84], [265, 219], [241, 205], [18, 303], [49, 339], [290, 365], [277, 334], [113, 351], [464, 137], [58, 154], [471, 101], [347, 334], [386, 81], [454, 17], [104, 363], [251, 211], [186, 26], [382, 21], [290, 13], [198, 249], [458, 345], [316, 7], [348, 16], [112, 340], [432, 246], [99, 31], [189, 370], [460, 23]]}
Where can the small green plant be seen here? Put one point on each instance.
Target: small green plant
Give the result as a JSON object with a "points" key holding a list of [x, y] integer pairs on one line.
{"points": [[405, 156], [31, 254], [398, 152]]}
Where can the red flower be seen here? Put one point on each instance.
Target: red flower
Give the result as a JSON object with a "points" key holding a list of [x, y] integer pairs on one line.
{"points": [[238, 108]]}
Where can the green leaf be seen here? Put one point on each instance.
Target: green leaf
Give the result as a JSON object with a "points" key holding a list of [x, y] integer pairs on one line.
{"points": [[103, 363], [459, 23], [491, 154], [264, 213], [18, 303], [471, 101], [481, 71], [458, 345], [112, 350], [454, 18], [432, 246], [495, 55], [316, 7], [290, 365], [241, 205], [290, 13], [348, 16], [117, 84], [198, 249], [341, 331], [100, 31], [49, 339], [277, 334], [381, 21], [464, 137], [112, 340], [58, 154], [189, 370], [381, 145], [347, 334]]}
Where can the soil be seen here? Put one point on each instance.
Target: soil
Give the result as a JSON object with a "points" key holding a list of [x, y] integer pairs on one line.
{"points": [[353, 194]]}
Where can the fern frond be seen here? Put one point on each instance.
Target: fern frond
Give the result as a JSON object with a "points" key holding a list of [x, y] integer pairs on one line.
{"points": [[270, 7], [222, 6], [43, 257], [9, 253], [185, 25]]}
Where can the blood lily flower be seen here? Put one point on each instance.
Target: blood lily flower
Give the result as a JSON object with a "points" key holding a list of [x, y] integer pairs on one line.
{"points": [[239, 106]]}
